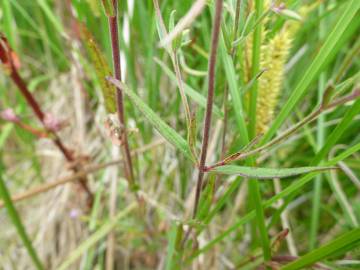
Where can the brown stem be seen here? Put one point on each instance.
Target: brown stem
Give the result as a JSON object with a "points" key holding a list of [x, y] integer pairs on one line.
{"points": [[113, 26], [210, 99], [7, 60]]}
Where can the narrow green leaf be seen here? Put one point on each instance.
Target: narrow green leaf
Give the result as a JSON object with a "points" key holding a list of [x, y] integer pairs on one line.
{"points": [[206, 199], [108, 8], [102, 69], [177, 41], [95, 237], [44, 5], [191, 92], [164, 129], [95, 7], [266, 173], [14, 216], [345, 242], [322, 57], [234, 92], [171, 247]]}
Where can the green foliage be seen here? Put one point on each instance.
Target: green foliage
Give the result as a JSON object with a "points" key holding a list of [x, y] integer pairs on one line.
{"points": [[64, 50]]}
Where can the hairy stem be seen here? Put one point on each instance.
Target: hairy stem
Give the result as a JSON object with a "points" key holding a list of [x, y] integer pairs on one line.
{"points": [[210, 99], [113, 26]]}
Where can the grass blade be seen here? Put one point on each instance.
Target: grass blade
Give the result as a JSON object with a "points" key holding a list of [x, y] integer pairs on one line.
{"points": [[345, 242], [234, 92], [14, 216]]}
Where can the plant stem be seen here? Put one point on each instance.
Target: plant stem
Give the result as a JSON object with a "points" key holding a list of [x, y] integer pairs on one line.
{"points": [[113, 26], [255, 68], [210, 99], [320, 137]]}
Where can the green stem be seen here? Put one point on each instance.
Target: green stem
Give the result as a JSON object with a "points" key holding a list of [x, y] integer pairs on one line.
{"points": [[254, 187], [320, 137], [255, 68]]}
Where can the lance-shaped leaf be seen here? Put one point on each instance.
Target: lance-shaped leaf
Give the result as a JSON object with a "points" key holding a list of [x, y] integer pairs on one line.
{"points": [[164, 129], [102, 69], [266, 173]]}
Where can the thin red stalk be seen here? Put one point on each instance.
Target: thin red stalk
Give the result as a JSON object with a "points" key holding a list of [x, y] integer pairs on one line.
{"points": [[38, 112], [210, 99], [113, 26], [26, 93], [7, 60]]}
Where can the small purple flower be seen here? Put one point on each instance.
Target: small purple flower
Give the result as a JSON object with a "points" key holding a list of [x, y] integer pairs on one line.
{"points": [[9, 115], [74, 213], [52, 123]]}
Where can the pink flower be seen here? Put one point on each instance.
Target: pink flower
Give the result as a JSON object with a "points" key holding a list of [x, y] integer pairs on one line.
{"points": [[74, 213], [52, 123], [9, 115]]}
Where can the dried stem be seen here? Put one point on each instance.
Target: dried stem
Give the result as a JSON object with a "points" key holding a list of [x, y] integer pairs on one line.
{"points": [[76, 176], [113, 26], [210, 99]]}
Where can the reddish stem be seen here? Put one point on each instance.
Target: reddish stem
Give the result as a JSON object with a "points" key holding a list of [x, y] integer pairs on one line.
{"points": [[210, 99], [7, 59], [113, 26]]}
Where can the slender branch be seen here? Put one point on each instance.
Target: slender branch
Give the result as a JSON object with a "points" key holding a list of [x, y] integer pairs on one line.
{"points": [[113, 26], [308, 119], [210, 99]]}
